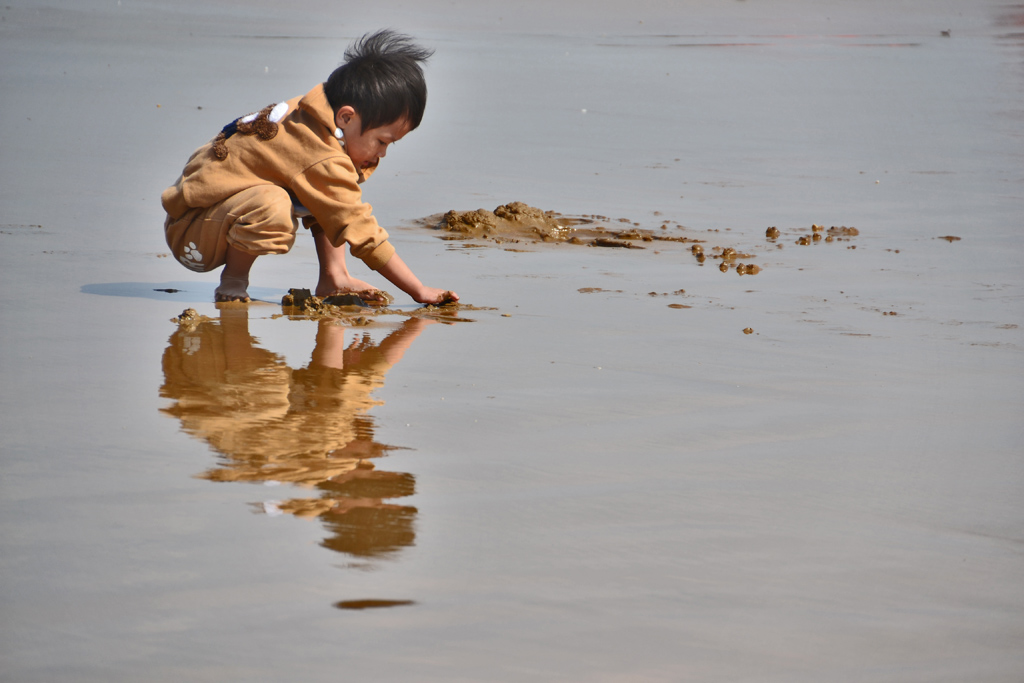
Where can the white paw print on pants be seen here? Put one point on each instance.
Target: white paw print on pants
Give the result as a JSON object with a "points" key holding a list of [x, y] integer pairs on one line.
{"points": [[192, 259]]}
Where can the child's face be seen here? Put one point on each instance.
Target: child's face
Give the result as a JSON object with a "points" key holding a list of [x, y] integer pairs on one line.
{"points": [[367, 147]]}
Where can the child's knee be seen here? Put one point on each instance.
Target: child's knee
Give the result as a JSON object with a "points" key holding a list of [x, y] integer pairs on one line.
{"points": [[264, 221]]}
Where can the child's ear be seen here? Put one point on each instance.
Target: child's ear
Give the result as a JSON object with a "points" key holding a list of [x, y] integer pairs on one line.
{"points": [[344, 116]]}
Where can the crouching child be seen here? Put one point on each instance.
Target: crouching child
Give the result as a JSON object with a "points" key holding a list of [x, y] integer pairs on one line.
{"points": [[244, 193]]}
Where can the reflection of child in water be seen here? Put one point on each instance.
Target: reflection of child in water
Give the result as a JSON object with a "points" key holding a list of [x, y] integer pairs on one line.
{"points": [[241, 194], [307, 426]]}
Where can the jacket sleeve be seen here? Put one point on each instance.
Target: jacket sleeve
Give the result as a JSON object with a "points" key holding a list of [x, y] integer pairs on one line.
{"points": [[330, 190]]}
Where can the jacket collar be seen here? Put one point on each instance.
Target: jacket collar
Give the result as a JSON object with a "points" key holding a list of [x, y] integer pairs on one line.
{"points": [[315, 102]]}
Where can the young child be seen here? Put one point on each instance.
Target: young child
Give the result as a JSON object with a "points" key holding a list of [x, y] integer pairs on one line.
{"points": [[241, 194]]}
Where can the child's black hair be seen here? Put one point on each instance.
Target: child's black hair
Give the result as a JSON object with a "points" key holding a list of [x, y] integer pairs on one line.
{"points": [[381, 79]]}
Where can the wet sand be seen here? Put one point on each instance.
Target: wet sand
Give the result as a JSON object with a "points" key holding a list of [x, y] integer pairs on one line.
{"points": [[618, 464]]}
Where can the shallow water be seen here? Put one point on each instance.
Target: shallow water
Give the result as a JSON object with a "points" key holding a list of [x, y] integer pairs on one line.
{"points": [[579, 482]]}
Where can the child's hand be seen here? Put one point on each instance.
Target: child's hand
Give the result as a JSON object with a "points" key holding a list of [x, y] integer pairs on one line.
{"points": [[399, 274], [432, 295]]}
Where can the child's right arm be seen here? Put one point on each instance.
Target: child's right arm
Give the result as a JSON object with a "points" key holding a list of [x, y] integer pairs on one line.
{"points": [[402, 277]]}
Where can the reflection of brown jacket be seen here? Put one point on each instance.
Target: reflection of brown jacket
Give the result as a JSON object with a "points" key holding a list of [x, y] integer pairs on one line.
{"points": [[271, 423], [303, 157]]}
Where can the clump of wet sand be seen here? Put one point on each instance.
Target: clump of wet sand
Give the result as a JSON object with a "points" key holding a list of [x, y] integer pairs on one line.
{"points": [[804, 237], [189, 319], [837, 233], [518, 223], [303, 298], [362, 308]]}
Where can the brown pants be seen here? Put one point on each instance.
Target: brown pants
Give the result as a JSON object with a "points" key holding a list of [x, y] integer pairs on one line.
{"points": [[260, 220]]}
